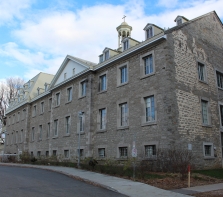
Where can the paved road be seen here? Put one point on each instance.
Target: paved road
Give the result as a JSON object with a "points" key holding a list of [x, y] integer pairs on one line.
{"points": [[30, 182]]}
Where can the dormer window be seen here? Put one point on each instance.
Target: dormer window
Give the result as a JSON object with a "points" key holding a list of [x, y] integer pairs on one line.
{"points": [[45, 87], [65, 76], [179, 21], [100, 58], [38, 91], [149, 32], [106, 55], [125, 45]]}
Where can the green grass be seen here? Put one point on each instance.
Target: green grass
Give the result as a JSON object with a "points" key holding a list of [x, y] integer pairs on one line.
{"points": [[215, 173]]}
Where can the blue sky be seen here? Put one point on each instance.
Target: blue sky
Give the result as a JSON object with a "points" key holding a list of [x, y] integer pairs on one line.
{"points": [[36, 35]]}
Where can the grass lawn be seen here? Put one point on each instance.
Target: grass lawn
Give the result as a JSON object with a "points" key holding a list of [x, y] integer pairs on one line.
{"points": [[216, 173]]}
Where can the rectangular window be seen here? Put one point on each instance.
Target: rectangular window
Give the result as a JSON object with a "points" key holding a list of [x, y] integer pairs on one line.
{"points": [[73, 71], [221, 114], [40, 132], [69, 94], [201, 72], [42, 107], [207, 150], [57, 99], [83, 88], [67, 119], [54, 152], [66, 154], [47, 153], [101, 152], [65, 76], [48, 131], [102, 118], [16, 137], [106, 55], [31, 153], [38, 154], [123, 74], [21, 136], [100, 58], [45, 85], [124, 114], [148, 64], [55, 127], [18, 117], [81, 152], [34, 110], [149, 32], [123, 151], [81, 122], [204, 106], [179, 21], [219, 79], [13, 119], [103, 83], [50, 104], [150, 151], [23, 114], [125, 45], [150, 109], [33, 133]]}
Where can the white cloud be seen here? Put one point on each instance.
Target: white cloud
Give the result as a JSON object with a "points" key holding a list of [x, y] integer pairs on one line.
{"points": [[10, 9], [167, 3]]}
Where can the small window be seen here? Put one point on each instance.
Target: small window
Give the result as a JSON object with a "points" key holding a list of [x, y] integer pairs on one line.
{"points": [[201, 72], [54, 152], [57, 99], [150, 151], [149, 32], [81, 152], [47, 153], [38, 154], [221, 114], [102, 118], [106, 55], [23, 114], [103, 83], [124, 114], [204, 106], [207, 150], [67, 119], [148, 64], [16, 137], [74, 71], [33, 133], [65, 76], [50, 104], [42, 107], [123, 74], [69, 94], [66, 154], [100, 58], [46, 85], [101, 152], [179, 21], [125, 45], [150, 109], [81, 123], [34, 110], [31, 153], [40, 132], [219, 79], [21, 136], [83, 88], [55, 127], [18, 117], [48, 131], [123, 152]]}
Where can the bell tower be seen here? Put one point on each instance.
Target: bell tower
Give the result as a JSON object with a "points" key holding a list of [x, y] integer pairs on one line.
{"points": [[124, 30]]}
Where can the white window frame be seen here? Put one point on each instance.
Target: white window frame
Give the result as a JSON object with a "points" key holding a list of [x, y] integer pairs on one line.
{"points": [[207, 116], [211, 149], [103, 115], [106, 55], [149, 32], [123, 152], [103, 82], [101, 152], [69, 94], [202, 74], [67, 124], [149, 110], [83, 88], [57, 101], [143, 73], [219, 78], [119, 74], [124, 114], [150, 151], [125, 44]]}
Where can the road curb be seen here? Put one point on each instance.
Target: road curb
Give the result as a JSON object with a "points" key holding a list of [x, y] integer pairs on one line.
{"points": [[64, 173]]}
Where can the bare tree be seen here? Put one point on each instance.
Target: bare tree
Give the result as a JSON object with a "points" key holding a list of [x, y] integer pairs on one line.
{"points": [[8, 91]]}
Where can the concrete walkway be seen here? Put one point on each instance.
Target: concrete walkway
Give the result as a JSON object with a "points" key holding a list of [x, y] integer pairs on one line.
{"points": [[123, 186], [198, 189]]}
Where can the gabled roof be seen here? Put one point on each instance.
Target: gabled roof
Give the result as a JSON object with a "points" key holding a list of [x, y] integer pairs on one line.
{"points": [[150, 24], [181, 17], [106, 48], [82, 62]]}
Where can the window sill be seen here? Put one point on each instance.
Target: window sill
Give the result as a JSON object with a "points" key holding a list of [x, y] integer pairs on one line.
{"points": [[57, 106], [209, 157], [102, 91], [204, 125], [204, 82], [67, 135], [41, 113], [81, 133], [148, 75], [81, 97], [68, 102], [55, 137], [220, 88], [148, 123], [122, 84], [101, 131], [122, 127], [33, 116]]}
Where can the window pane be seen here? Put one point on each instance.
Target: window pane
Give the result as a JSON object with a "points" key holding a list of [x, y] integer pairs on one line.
{"points": [[204, 105], [201, 71], [124, 114], [148, 64], [123, 71], [150, 109]]}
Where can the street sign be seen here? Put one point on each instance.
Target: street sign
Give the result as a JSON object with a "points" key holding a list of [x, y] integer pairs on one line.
{"points": [[134, 152]]}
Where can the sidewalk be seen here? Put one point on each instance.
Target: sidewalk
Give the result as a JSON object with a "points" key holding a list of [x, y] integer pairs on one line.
{"points": [[123, 186], [198, 189]]}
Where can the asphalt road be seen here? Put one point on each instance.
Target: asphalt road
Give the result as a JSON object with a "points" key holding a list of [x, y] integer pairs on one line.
{"points": [[30, 182]]}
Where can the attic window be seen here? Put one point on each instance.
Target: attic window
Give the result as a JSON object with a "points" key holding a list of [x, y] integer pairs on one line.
{"points": [[65, 76], [125, 45], [100, 58], [106, 55], [45, 87], [73, 71], [179, 21], [149, 32], [38, 91]]}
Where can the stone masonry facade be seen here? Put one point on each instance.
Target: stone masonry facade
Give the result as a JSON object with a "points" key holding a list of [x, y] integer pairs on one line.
{"points": [[186, 111]]}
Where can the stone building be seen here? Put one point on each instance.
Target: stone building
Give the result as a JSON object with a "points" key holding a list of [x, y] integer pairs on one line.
{"points": [[166, 91]]}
